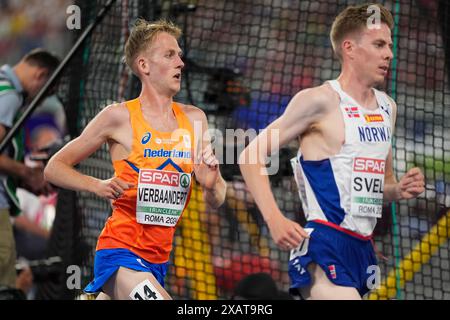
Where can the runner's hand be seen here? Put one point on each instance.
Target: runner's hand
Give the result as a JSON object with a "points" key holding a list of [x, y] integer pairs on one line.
{"points": [[411, 184], [206, 169], [112, 188], [286, 233]]}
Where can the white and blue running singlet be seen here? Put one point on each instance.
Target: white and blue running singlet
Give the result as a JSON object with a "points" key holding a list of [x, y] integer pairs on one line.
{"points": [[347, 188]]}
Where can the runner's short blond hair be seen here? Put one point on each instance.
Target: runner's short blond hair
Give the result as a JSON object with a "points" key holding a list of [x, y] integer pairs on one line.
{"points": [[142, 36]]}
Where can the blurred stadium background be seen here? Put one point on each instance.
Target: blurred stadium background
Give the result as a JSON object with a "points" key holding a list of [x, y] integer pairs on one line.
{"points": [[244, 60]]}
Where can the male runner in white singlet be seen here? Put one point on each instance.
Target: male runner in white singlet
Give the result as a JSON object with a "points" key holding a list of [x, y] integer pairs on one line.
{"points": [[344, 164]]}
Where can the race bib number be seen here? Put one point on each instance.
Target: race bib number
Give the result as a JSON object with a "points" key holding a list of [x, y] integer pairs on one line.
{"points": [[145, 291], [161, 196], [367, 187]]}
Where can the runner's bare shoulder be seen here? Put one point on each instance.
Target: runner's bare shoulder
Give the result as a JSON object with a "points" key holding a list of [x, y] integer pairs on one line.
{"points": [[192, 112], [317, 100]]}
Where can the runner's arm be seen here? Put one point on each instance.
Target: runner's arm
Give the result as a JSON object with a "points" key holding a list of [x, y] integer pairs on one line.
{"points": [[206, 165], [60, 168], [305, 109], [410, 185]]}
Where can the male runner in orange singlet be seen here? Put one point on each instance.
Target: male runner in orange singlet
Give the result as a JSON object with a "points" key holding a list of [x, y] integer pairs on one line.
{"points": [[152, 143]]}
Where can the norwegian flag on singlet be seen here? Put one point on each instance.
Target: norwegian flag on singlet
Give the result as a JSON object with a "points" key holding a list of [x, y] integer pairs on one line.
{"points": [[352, 112]]}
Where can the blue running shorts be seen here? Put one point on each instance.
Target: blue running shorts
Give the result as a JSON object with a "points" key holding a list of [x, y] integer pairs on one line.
{"points": [[108, 261], [347, 260]]}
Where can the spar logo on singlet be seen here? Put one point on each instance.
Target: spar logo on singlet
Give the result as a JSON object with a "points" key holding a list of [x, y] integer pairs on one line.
{"points": [[185, 180], [159, 177], [369, 165], [367, 186]]}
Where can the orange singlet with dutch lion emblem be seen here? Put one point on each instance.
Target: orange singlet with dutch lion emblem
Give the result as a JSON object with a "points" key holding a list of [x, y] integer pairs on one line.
{"points": [[160, 165]]}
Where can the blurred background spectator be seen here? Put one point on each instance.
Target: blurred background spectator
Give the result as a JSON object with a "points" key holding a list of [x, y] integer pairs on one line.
{"points": [[27, 24], [32, 227]]}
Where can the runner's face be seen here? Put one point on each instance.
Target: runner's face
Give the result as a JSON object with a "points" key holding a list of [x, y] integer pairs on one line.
{"points": [[373, 53], [165, 63]]}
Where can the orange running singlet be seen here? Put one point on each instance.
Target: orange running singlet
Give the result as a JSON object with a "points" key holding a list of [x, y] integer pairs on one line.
{"points": [[160, 165]]}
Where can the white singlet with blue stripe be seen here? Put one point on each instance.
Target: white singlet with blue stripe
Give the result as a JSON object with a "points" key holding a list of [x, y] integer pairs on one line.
{"points": [[347, 188]]}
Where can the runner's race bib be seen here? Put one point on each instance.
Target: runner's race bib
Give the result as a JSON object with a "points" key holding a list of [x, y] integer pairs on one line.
{"points": [[367, 187], [161, 196]]}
